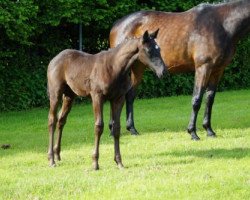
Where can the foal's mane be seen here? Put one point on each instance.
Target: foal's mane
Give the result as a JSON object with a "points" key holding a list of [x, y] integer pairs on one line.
{"points": [[125, 41]]}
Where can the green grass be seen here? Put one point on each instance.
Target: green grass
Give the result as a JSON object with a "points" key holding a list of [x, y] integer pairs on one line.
{"points": [[162, 163]]}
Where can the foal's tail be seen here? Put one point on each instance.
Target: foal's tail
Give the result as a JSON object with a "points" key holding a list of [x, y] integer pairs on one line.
{"points": [[47, 89]]}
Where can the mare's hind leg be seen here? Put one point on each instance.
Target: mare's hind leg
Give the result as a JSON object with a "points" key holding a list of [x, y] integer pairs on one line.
{"points": [[130, 97], [68, 98], [201, 78], [211, 91], [116, 106], [136, 76], [52, 119]]}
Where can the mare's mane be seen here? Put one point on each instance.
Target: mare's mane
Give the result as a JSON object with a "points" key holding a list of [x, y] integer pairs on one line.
{"points": [[220, 3]]}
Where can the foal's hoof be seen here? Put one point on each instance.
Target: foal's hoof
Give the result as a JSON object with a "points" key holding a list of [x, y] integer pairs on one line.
{"points": [[52, 164], [132, 130], [96, 166], [57, 157], [120, 166]]}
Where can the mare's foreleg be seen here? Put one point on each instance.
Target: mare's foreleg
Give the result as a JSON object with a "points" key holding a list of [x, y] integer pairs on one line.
{"points": [[211, 91], [130, 124], [116, 106], [98, 113], [66, 107], [136, 76], [208, 111], [201, 77]]}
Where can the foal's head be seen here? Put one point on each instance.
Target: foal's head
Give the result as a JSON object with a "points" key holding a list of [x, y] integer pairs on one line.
{"points": [[149, 53]]}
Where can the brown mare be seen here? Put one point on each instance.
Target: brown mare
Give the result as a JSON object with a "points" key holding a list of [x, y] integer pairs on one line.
{"points": [[202, 39], [103, 76]]}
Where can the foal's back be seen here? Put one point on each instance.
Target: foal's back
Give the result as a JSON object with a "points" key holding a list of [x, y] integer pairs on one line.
{"points": [[74, 69]]}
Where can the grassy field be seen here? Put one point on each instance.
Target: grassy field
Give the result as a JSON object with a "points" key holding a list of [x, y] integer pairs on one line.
{"points": [[161, 163]]}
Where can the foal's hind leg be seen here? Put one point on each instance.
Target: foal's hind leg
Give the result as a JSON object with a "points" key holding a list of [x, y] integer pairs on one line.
{"points": [[201, 78], [52, 119], [211, 91], [66, 107]]}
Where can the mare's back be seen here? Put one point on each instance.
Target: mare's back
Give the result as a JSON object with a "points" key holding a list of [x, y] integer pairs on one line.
{"points": [[178, 33]]}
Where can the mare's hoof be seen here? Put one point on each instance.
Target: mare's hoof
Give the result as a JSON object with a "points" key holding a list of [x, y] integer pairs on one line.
{"points": [[194, 137], [96, 167], [211, 134], [5, 146], [132, 130], [110, 127]]}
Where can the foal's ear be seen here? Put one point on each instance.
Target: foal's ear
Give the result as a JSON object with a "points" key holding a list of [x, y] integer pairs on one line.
{"points": [[145, 37], [154, 34]]}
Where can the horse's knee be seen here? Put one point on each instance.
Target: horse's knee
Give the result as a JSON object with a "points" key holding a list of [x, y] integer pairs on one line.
{"points": [[61, 122], [130, 95], [99, 128], [52, 122], [116, 128], [210, 97], [196, 103]]}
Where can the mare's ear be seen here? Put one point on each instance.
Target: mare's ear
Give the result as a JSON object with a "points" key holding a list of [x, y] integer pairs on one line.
{"points": [[145, 37], [154, 34]]}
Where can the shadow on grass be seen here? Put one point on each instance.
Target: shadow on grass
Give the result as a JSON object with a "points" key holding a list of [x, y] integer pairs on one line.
{"points": [[235, 153], [159, 165]]}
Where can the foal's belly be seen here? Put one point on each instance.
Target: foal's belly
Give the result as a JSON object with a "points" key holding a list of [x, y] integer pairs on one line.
{"points": [[79, 87]]}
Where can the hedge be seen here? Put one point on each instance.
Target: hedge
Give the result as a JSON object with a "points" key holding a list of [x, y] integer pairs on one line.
{"points": [[33, 32]]}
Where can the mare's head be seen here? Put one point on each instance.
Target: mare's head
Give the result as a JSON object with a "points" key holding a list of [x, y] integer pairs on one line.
{"points": [[149, 53]]}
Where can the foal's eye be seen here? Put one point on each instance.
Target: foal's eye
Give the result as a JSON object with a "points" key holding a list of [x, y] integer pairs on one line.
{"points": [[157, 47]]}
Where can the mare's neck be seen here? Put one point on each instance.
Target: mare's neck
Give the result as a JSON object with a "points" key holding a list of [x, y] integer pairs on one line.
{"points": [[237, 19], [124, 55]]}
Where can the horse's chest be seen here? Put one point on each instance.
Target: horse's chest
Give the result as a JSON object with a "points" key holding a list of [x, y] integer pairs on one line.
{"points": [[115, 87]]}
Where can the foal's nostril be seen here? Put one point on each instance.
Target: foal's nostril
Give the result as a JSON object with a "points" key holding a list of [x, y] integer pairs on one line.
{"points": [[160, 74]]}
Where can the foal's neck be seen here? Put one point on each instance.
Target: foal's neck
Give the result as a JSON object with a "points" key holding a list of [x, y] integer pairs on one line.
{"points": [[237, 19], [125, 55]]}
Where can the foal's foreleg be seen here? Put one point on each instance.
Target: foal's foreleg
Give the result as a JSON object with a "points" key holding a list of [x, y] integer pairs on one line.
{"points": [[201, 78], [66, 107], [98, 113], [116, 107]]}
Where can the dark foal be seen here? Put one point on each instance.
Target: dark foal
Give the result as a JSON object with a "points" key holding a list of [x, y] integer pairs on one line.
{"points": [[103, 76], [202, 39]]}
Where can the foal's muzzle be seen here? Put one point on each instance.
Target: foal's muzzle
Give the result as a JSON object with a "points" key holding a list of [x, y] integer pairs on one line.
{"points": [[161, 72]]}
